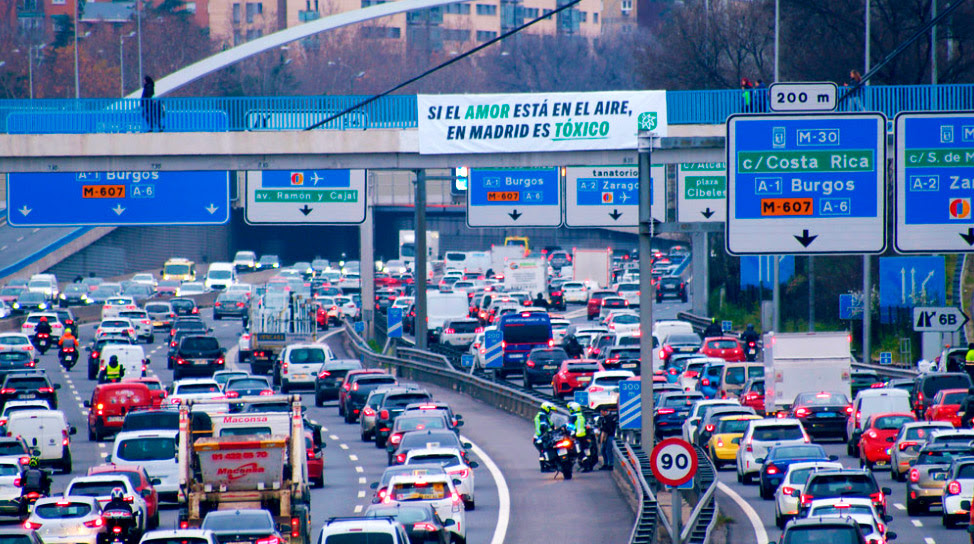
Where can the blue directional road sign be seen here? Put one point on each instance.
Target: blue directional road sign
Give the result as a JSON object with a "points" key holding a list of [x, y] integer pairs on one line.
{"points": [[813, 183], [726, 326], [466, 360], [394, 322], [630, 405], [850, 306], [758, 270], [934, 182], [906, 282], [525, 197], [118, 198], [493, 349], [886, 357], [580, 397], [608, 196], [359, 326]]}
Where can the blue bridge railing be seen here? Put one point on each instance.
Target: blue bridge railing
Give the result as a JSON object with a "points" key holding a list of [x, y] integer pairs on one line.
{"points": [[221, 114]]}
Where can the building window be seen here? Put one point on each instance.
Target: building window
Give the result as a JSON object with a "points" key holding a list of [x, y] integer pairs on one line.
{"points": [[254, 9], [626, 6], [458, 9], [547, 12], [381, 32], [486, 9], [531, 13], [584, 17], [595, 17], [236, 14], [456, 35], [58, 2], [484, 35]]}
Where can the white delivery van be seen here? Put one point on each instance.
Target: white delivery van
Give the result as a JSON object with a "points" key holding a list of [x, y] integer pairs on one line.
{"points": [[804, 361], [46, 430], [131, 357], [156, 452], [219, 276], [441, 307]]}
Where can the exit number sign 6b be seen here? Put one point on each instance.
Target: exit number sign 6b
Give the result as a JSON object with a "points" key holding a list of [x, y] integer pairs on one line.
{"points": [[803, 96]]}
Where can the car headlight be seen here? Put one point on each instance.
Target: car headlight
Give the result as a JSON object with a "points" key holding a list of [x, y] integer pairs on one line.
{"points": [[61, 296], [16, 305], [42, 305]]}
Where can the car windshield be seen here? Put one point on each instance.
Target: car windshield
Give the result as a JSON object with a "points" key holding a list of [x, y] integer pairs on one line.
{"points": [[921, 432], [771, 433], [680, 401], [157, 308], [937, 457], [307, 355], [627, 353], [797, 452], [219, 274], [732, 426], [201, 344], [375, 380], [954, 398], [464, 327], [175, 540], [844, 510], [401, 401], [526, 333], [182, 304], [582, 367], [9, 470], [406, 424], [683, 339], [800, 476], [32, 297], [238, 521], [891, 423], [14, 340], [26, 383], [402, 514], [549, 355], [626, 319], [247, 383], [12, 448], [59, 510], [442, 459], [361, 537], [609, 381], [196, 388], [431, 439], [735, 376], [837, 485], [147, 449], [95, 489]]}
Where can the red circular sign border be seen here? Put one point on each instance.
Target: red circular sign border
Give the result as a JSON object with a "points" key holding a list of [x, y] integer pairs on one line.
{"points": [[693, 461]]}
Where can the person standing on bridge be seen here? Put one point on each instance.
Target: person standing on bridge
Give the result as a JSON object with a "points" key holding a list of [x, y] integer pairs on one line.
{"points": [[151, 110]]}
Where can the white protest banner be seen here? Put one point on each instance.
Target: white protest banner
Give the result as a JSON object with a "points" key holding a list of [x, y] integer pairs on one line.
{"points": [[514, 123]]}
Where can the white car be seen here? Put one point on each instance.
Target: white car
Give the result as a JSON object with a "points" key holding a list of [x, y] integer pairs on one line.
{"points": [[604, 387], [197, 389], [690, 424], [187, 536], [191, 288], [223, 376], [664, 328], [245, 260], [434, 489], [120, 326], [5, 309], [57, 328], [379, 527], [100, 487], [43, 285], [67, 520], [347, 308], [143, 324], [629, 290], [559, 328], [153, 450], [623, 322], [300, 363], [14, 340], [786, 497], [451, 459], [960, 489], [459, 333], [862, 511], [761, 435], [574, 291], [9, 490], [145, 279], [114, 305]]}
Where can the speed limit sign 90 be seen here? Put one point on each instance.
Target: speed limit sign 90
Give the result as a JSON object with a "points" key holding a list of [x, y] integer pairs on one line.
{"points": [[673, 461]]}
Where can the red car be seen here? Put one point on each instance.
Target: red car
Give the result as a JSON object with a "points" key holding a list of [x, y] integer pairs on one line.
{"points": [[594, 306], [725, 347], [140, 481], [753, 394], [316, 462], [945, 406], [574, 375], [879, 433], [156, 391]]}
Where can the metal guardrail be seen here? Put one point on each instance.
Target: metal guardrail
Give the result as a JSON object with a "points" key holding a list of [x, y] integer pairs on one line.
{"points": [[265, 113]]}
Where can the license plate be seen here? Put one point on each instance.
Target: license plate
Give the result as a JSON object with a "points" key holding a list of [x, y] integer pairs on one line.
{"points": [[301, 376], [584, 379], [562, 451], [116, 419], [881, 463], [339, 380], [629, 365], [517, 356], [200, 361], [549, 367], [26, 396], [157, 323], [827, 415]]}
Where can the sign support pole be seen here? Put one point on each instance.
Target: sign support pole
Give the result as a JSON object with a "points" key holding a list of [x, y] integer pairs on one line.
{"points": [[419, 328], [677, 520], [776, 294], [867, 322], [811, 293], [367, 256], [646, 292]]}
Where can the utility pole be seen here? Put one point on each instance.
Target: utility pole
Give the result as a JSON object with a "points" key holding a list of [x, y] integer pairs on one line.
{"points": [[646, 291], [420, 270], [367, 260]]}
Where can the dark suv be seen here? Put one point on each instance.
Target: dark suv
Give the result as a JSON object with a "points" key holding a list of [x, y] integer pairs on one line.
{"points": [[394, 403], [927, 386], [830, 484], [198, 355], [542, 365], [356, 389], [835, 530], [330, 378], [184, 306], [671, 286], [28, 386]]}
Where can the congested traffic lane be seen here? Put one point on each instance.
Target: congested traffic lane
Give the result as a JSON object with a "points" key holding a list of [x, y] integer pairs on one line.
{"points": [[543, 507]]}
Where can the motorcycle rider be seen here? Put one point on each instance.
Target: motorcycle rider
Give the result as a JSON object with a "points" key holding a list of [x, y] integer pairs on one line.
{"points": [[34, 480], [577, 419], [67, 341], [750, 335], [542, 425], [539, 301], [572, 347], [125, 513], [113, 371], [713, 329], [43, 327]]}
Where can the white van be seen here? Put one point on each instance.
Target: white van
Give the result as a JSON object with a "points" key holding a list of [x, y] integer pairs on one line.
{"points": [[245, 260], [300, 363], [220, 276], [442, 307], [156, 452], [46, 430], [869, 402], [131, 357]]}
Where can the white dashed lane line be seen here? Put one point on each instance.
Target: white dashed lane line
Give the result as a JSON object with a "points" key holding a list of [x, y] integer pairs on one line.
{"points": [[362, 481], [352, 457], [358, 509], [917, 523], [929, 540], [899, 506], [333, 436], [361, 494], [360, 470]]}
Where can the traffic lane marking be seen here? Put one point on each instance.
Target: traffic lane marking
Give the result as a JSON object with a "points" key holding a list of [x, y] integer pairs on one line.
{"points": [[760, 534], [917, 523]]}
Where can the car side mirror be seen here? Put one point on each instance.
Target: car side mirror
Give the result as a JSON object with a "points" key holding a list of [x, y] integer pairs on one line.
{"points": [[86, 404], [458, 417], [887, 491], [467, 445], [459, 423], [374, 485], [890, 535], [888, 518], [448, 522], [57, 386], [148, 361], [833, 457], [473, 464], [108, 458], [912, 462], [759, 460], [155, 481], [73, 430]]}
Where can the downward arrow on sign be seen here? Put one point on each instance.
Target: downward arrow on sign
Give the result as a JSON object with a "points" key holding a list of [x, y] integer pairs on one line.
{"points": [[805, 240], [514, 215], [708, 212], [615, 215], [968, 236]]}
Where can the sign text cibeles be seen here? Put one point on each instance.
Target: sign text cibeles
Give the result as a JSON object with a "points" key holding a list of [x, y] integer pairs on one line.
{"points": [[513, 123]]}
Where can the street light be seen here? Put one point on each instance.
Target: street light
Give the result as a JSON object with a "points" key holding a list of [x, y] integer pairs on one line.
{"points": [[121, 63], [77, 78], [30, 65]]}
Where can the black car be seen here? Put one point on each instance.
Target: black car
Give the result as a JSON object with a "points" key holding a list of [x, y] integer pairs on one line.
{"points": [[384, 299], [559, 259], [419, 439], [829, 484], [928, 385], [541, 365], [822, 413], [199, 356], [250, 386], [184, 306], [14, 360], [230, 305], [28, 386], [359, 388], [828, 529], [94, 351], [671, 286], [556, 296], [672, 410], [74, 294], [330, 378], [420, 520], [393, 404], [30, 302]]}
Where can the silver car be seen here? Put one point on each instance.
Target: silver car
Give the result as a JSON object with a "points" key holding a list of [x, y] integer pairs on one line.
{"points": [[369, 414], [67, 520], [786, 497]]}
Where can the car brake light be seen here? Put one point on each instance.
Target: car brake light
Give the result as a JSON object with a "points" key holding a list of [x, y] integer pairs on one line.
{"points": [[24, 460], [31, 526], [907, 444], [97, 522], [395, 439], [384, 414], [449, 331], [787, 491], [806, 499], [184, 524], [772, 469], [463, 472], [530, 363], [953, 488], [401, 458], [7, 391], [596, 389], [232, 394], [749, 446], [848, 410], [709, 427], [295, 527], [705, 382], [871, 434], [355, 386], [801, 412], [666, 411], [879, 497]]}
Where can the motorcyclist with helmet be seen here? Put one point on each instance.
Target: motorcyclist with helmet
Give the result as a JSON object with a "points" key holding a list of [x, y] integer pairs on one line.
{"points": [[582, 433], [34, 480], [572, 346], [113, 371], [120, 517], [542, 425], [713, 329], [68, 343], [747, 337], [43, 328]]}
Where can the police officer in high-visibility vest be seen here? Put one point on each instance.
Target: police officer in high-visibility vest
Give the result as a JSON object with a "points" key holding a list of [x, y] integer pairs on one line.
{"points": [[542, 424], [586, 458], [113, 371]]}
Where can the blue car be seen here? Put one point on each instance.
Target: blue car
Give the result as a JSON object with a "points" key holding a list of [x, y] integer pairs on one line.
{"points": [[775, 464], [709, 382], [672, 410]]}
